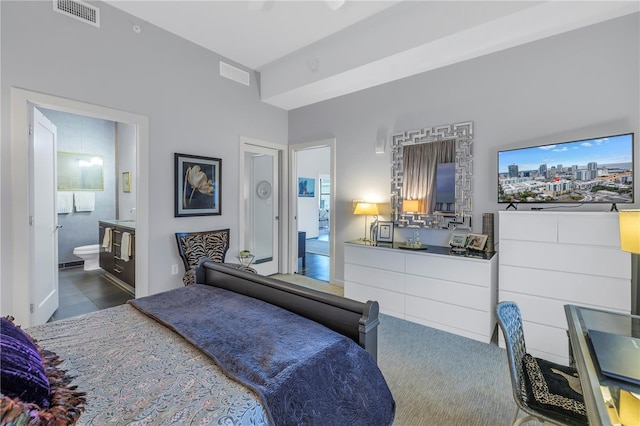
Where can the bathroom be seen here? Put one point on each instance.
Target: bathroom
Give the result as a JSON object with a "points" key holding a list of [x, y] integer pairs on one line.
{"points": [[111, 146]]}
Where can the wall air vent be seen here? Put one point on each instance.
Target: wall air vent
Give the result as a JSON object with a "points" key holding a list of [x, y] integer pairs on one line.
{"points": [[78, 10], [233, 73]]}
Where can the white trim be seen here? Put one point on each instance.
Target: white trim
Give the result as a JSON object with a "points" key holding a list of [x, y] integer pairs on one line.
{"points": [[20, 251], [245, 145]]}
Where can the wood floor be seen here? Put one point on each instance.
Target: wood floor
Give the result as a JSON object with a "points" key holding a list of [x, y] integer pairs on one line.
{"points": [[316, 266]]}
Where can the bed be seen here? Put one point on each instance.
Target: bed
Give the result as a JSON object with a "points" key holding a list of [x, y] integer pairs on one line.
{"points": [[238, 349]]}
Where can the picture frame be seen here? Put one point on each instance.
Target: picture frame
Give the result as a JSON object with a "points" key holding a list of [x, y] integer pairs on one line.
{"points": [[306, 187], [476, 241], [458, 240], [385, 232], [198, 185], [126, 181]]}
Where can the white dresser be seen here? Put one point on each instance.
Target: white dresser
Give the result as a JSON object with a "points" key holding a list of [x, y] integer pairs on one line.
{"points": [[549, 259], [452, 293]]}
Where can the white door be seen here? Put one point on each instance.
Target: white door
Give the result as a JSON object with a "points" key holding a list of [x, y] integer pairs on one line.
{"points": [[43, 218], [259, 215]]}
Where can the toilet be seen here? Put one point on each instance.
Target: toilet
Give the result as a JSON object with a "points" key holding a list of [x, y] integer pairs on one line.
{"points": [[90, 254]]}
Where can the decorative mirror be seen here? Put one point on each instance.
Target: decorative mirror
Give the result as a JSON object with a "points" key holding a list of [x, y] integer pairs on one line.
{"points": [[415, 200]]}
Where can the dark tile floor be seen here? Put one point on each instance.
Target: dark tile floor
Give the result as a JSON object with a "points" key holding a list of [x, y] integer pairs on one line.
{"points": [[83, 291], [317, 266]]}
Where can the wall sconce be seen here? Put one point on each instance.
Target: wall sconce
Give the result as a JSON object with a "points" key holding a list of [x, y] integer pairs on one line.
{"points": [[630, 241], [366, 209], [411, 206]]}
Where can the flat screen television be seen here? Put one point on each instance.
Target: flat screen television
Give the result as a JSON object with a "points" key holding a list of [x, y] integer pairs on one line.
{"points": [[595, 170]]}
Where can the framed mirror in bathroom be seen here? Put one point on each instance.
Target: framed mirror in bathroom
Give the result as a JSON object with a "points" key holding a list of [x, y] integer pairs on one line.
{"points": [[80, 171]]}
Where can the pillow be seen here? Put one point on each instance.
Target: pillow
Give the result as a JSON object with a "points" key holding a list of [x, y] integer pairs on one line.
{"points": [[22, 372], [62, 405]]}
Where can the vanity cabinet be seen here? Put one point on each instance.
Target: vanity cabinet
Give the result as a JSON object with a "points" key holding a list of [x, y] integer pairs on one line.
{"points": [[452, 293], [111, 261]]}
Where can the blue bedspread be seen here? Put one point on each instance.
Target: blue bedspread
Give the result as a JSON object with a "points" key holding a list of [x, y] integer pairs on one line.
{"points": [[304, 373]]}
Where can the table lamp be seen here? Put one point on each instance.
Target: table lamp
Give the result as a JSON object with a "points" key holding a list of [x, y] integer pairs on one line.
{"points": [[366, 209], [630, 241]]}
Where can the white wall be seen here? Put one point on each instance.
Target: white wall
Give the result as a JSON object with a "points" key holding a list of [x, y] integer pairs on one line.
{"points": [[175, 83], [583, 83]]}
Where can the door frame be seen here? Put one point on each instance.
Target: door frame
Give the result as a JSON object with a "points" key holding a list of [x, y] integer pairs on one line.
{"points": [[20, 274], [293, 206], [245, 146]]}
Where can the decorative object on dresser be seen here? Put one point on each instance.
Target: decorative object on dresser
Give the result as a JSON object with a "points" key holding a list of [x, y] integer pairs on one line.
{"points": [[366, 209], [458, 241], [385, 231], [476, 241], [197, 185], [426, 149], [630, 241], [488, 230]]}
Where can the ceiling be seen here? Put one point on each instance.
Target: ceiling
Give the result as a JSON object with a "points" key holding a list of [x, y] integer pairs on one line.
{"points": [[310, 51]]}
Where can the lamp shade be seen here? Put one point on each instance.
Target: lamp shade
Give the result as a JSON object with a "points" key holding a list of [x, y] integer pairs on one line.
{"points": [[366, 208], [630, 230], [411, 206]]}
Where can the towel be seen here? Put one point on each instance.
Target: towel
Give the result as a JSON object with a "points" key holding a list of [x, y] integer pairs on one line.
{"points": [[106, 240], [125, 246], [65, 202], [85, 201]]}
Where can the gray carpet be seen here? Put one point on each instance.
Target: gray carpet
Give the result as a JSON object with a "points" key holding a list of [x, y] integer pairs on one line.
{"points": [[438, 378], [316, 246]]}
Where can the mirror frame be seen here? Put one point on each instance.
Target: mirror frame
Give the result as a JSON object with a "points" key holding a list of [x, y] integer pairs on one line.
{"points": [[461, 219]]}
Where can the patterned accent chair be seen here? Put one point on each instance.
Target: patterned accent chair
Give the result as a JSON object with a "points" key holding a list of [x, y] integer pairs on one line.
{"points": [[206, 246], [546, 391]]}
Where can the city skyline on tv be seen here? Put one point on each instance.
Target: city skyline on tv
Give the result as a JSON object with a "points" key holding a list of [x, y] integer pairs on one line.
{"points": [[611, 150], [596, 170]]}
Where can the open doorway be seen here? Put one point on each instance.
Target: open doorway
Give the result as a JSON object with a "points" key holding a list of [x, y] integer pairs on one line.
{"points": [[313, 172], [24, 252]]}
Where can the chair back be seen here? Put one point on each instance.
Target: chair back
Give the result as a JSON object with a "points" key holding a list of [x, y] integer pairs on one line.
{"points": [[194, 246], [510, 322]]}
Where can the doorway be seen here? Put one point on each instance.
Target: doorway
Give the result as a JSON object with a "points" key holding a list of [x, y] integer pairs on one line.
{"points": [[24, 253], [261, 204], [313, 165]]}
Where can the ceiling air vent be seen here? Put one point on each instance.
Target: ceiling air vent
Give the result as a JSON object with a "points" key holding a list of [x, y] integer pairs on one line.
{"points": [[233, 73], [78, 10]]}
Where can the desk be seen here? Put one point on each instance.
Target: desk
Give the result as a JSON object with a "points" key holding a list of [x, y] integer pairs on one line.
{"points": [[580, 320]]}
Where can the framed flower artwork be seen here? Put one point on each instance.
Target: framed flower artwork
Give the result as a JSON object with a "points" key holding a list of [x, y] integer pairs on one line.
{"points": [[197, 185]]}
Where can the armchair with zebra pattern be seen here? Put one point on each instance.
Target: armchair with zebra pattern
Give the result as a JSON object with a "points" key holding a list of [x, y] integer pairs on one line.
{"points": [[204, 246]]}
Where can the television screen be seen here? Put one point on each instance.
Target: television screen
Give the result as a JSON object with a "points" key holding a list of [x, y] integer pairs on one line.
{"points": [[597, 170]]}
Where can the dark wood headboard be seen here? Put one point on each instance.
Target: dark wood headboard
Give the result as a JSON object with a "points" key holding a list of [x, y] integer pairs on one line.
{"points": [[356, 320]]}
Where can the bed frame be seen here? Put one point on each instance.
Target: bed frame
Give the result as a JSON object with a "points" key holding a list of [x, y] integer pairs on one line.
{"points": [[356, 320]]}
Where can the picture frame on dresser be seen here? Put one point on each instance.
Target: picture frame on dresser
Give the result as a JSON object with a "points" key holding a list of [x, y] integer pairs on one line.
{"points": [[476, 241], [458, 240], [385, 232]]}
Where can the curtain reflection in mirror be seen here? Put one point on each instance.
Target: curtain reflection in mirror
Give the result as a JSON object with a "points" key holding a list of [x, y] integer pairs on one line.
{"points": [[420, 163]]}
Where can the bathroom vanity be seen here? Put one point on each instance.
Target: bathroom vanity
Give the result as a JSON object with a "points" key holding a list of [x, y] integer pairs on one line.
{"points": [[113, 258]]}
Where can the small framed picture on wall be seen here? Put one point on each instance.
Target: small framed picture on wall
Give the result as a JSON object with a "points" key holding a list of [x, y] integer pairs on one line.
{"points": [[385, 232]]}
